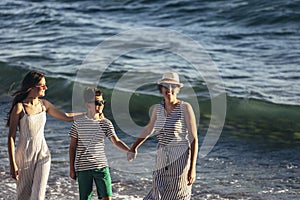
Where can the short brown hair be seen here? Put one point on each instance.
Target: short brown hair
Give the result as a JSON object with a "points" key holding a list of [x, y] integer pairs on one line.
{"points": [[89, 94]]}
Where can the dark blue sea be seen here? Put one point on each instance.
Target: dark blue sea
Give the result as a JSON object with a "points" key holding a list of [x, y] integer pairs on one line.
{"points": [[239, 61]]}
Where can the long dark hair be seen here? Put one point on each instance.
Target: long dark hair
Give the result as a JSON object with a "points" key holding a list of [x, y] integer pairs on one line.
{"points": [[31, 79]]}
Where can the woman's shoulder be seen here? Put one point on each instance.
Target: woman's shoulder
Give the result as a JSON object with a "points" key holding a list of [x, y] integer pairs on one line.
{"points": [[18, 107], [184, 103], [45, 102], [17, 111]]}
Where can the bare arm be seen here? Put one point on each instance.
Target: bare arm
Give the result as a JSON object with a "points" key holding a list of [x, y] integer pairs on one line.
{"points": [[193, 138], [119, 143], [72, 155], [15, 116], [54, 112], [146, 132]]}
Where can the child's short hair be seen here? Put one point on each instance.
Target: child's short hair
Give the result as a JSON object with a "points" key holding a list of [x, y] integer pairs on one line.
{"points": [[90, 93]]}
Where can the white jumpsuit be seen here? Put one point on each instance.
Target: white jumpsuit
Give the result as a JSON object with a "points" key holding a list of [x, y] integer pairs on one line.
{"points": [[32, 157]]}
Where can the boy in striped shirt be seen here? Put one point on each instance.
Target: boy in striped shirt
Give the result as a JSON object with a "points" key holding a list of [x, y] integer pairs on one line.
{"points": [[86, 152]]}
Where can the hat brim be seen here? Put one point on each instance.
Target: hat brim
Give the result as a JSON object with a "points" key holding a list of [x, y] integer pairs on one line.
{"points": [[170, 82]]}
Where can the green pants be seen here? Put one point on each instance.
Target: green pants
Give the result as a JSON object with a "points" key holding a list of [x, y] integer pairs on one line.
{"points": [[102, 180]]}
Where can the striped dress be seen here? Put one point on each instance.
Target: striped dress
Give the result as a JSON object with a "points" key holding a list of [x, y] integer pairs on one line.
{"points": [[32, 157], [173, 156]]}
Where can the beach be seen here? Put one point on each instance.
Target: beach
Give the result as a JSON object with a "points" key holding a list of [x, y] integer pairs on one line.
{"points": [[63, 188], [238, 61]]}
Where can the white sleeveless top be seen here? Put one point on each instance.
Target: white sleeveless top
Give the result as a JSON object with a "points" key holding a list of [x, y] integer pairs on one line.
{"points": [[32, 144]]}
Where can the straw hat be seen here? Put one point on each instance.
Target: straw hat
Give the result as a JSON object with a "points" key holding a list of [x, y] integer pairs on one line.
{"points": [[170, 78]]}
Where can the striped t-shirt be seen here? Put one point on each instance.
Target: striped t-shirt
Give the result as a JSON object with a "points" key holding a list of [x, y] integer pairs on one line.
{"points": [[90, 135]]}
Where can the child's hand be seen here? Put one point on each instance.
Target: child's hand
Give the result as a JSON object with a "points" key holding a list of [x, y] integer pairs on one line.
{"points": [[73, 174], [131, 155]]}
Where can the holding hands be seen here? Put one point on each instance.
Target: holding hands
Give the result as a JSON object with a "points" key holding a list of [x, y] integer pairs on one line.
{"points": [[131, 155]]}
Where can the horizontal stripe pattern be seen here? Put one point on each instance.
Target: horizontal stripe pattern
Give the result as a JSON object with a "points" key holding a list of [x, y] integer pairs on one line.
{"points": [[90, 135]]}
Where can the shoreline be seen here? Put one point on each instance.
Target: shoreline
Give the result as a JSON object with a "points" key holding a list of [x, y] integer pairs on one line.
{"points": [[64, 188]]}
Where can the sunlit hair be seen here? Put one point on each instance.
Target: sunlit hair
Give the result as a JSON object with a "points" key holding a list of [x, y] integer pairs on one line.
{"points": [[31, 79], [89, 94]]}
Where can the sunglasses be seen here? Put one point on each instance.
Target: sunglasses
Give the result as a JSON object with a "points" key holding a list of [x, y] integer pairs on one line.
{"points": [[167, 86], [44, 87], [98, 103]]}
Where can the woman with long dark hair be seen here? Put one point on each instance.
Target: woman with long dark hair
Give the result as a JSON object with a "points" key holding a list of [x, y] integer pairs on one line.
{"points": [[30, 162]]}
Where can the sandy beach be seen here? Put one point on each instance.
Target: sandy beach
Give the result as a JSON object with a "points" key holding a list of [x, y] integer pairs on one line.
{"points": [[64, 188]]}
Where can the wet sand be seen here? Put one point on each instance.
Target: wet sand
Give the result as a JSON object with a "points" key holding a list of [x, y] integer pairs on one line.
{"points": [[64, 188]]}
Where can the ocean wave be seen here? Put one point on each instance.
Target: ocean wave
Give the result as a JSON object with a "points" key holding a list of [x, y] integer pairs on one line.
{"points": [[249, 117]]}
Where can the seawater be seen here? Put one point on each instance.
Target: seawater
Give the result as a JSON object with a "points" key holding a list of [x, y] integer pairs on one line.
{"points": [[254, 44]]}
